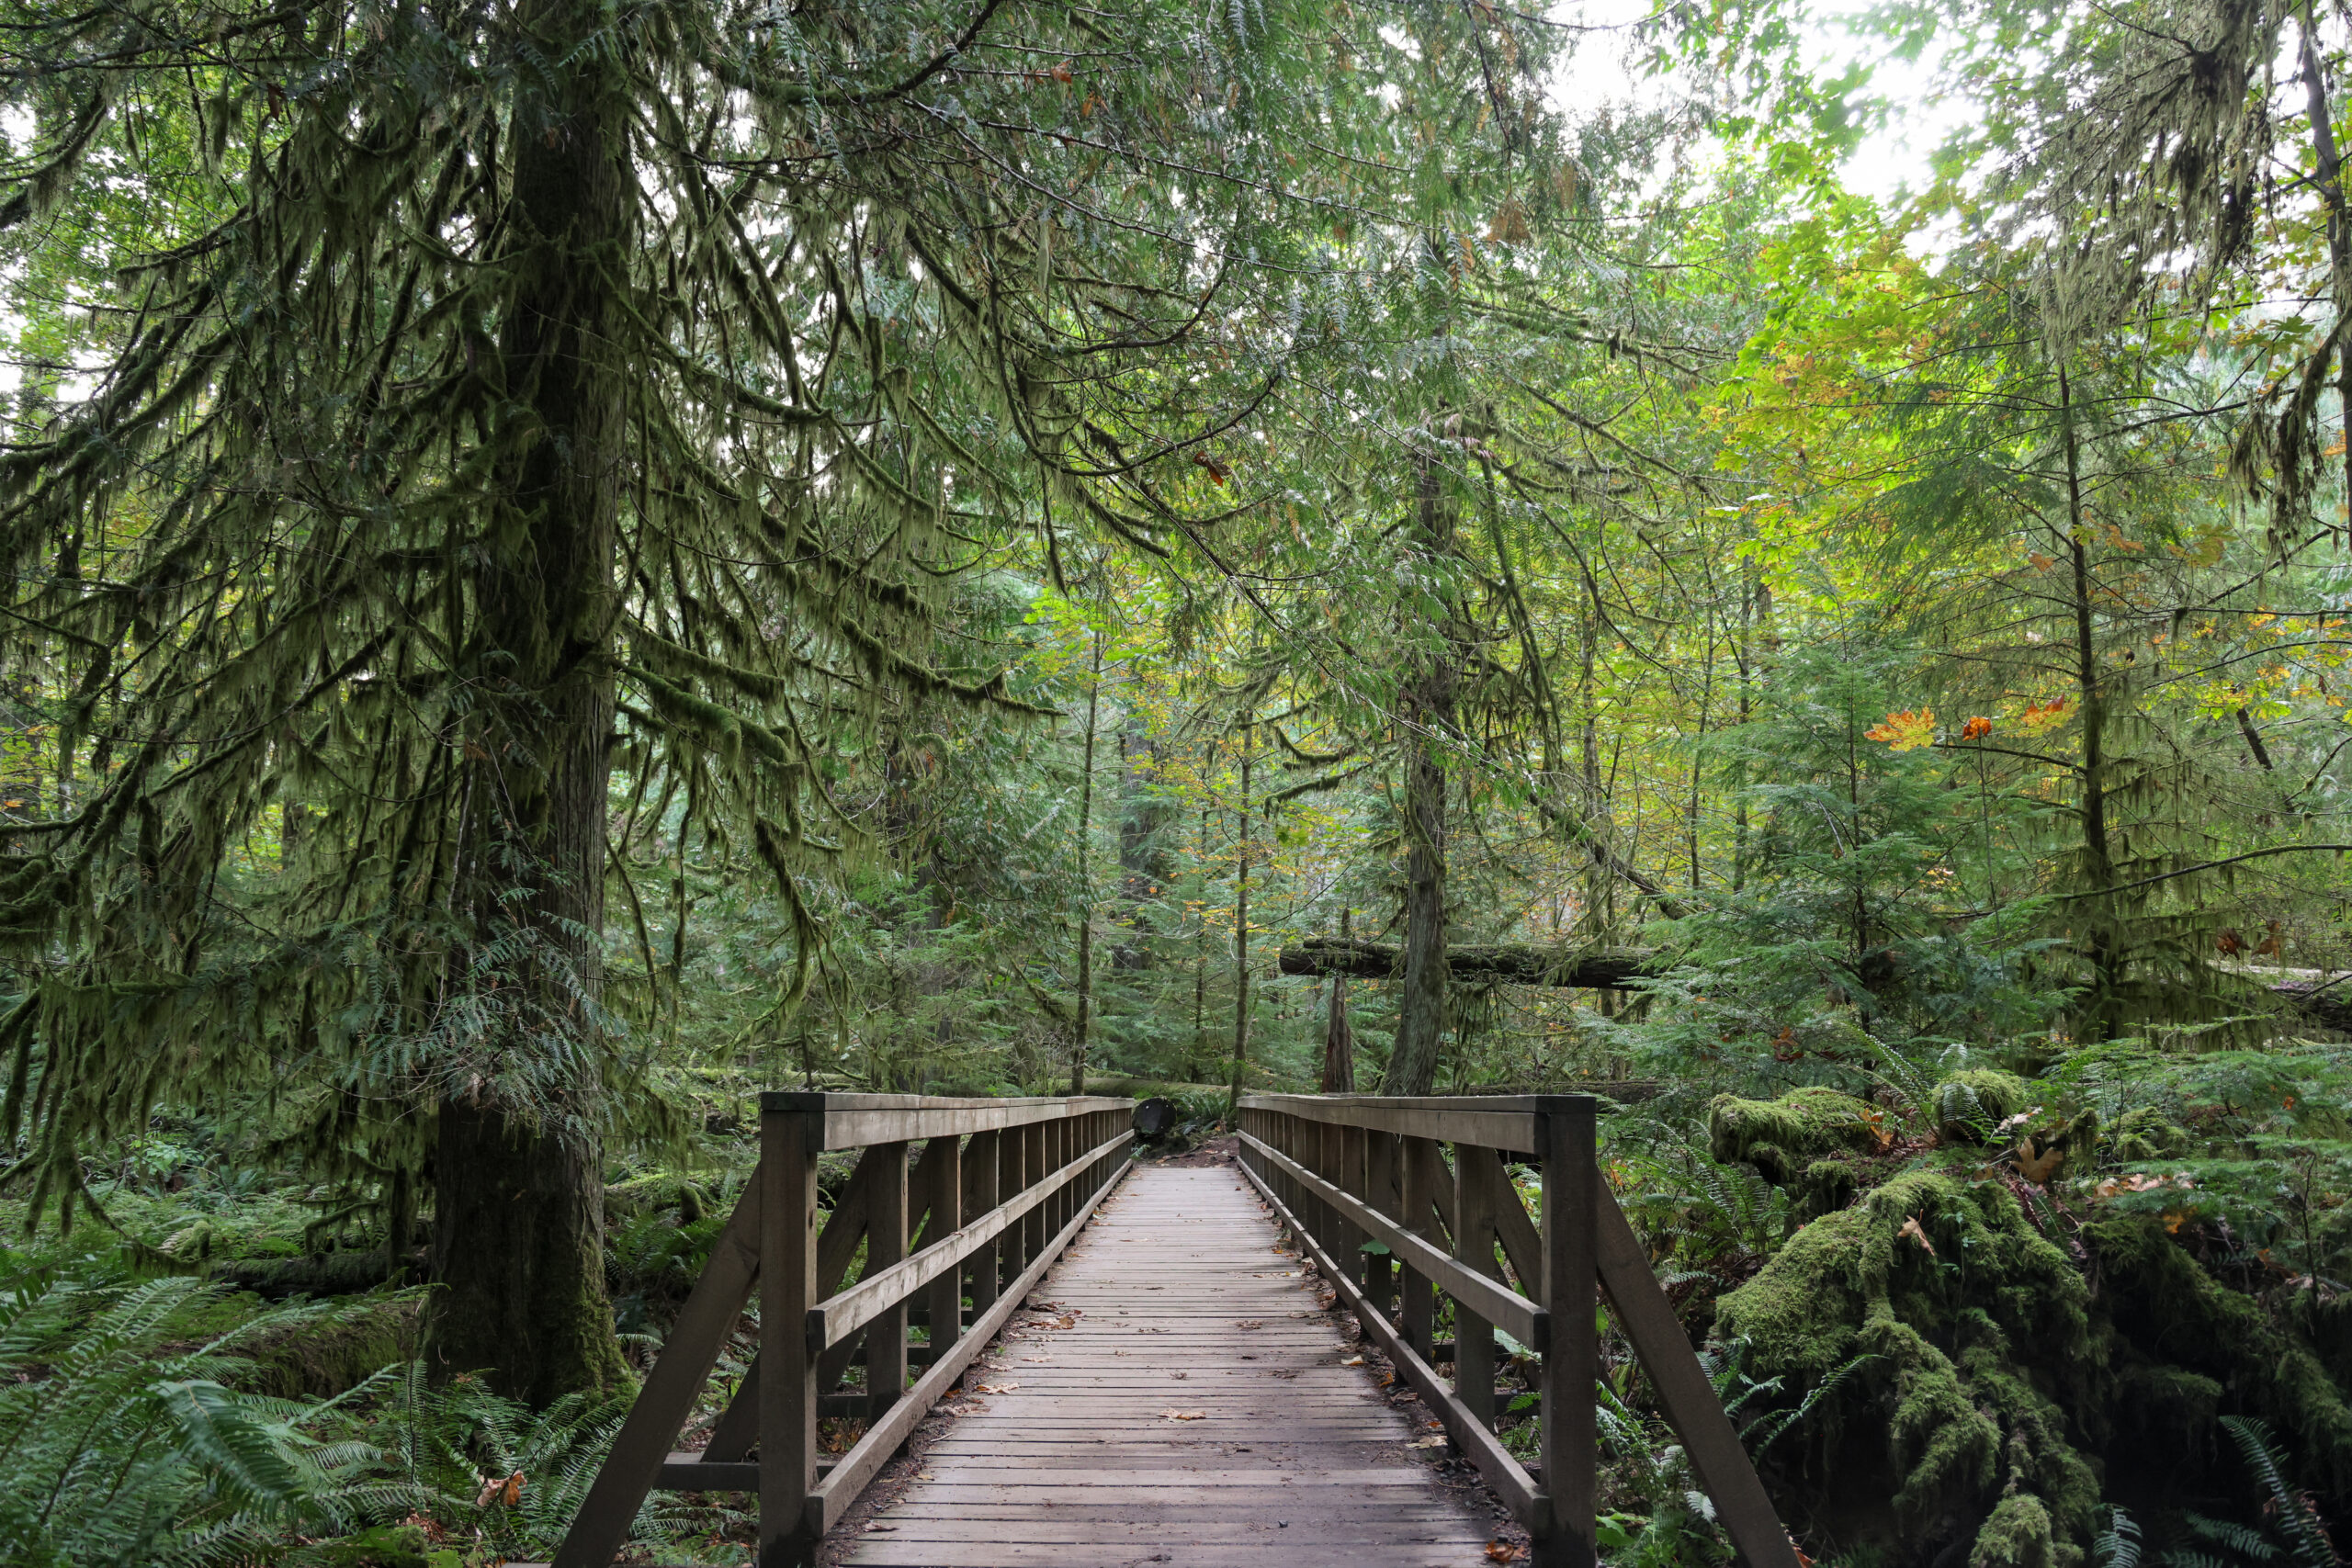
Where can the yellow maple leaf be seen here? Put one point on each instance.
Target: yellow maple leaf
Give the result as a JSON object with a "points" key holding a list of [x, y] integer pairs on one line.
{"points": [[1905, 731]]}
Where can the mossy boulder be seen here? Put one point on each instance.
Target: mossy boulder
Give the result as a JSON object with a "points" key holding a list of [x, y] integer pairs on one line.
{"points": [[1955, 1331], [2173, 1312], [331, 1354], [1783, 1138], [1969, 1105]]}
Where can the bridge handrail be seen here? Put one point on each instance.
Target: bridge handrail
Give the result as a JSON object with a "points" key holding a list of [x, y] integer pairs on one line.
{"points": [[1342, 1169], [1000, 1188]]}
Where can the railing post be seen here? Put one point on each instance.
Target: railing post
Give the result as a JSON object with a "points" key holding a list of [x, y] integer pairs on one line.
{"points": [[1571, 1360], [790, 1141]]}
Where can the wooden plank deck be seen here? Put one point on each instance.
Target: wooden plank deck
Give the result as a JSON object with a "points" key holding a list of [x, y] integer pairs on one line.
{"points": [[1195, 1413]]}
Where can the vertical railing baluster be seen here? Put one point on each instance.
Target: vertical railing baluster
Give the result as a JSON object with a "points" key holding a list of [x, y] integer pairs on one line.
{"points": [[1380, 1177], [1418, 1190], [980, 1195], [1476, 1173], [944, 1160], [1033, 1233], [886, 1243]]}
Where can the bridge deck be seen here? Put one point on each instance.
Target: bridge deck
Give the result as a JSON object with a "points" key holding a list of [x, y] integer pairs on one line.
{"points": [[1194, 1412]]}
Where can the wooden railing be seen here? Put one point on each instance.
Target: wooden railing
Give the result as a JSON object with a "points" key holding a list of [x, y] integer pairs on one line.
{"points": [[999, 1188], [1345, 1170]]}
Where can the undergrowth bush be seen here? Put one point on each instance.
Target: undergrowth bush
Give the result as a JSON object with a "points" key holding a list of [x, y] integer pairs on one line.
{"points": [[130, 1435]]}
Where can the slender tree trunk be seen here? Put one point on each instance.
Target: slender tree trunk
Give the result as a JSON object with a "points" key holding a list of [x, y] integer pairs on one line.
{"points": [[1086, 881], [1338, 1038], [518, 1224], [1241, 939], [2102, 947], [1423, 728], [2327, 178], [1200, 971]]}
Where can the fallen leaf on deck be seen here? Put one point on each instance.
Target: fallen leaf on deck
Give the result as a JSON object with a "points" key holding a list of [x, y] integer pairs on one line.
{"points": [[997, 1387], [1353, 1361], [1426, 1443], [1185, 1414], [1502, 1552]]}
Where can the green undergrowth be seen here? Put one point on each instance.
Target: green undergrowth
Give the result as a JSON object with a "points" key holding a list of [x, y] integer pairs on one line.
{"points": [[164, 1421]]}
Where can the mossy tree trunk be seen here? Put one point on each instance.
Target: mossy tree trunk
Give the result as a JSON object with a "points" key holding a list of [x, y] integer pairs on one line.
{"points": [[1085, 1027], [2101, 945], [1241, 935], [518, 1237], [1425, 723]]}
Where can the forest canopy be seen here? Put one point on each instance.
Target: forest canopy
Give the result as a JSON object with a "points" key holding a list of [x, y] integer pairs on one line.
{"points": [[572, 562]]}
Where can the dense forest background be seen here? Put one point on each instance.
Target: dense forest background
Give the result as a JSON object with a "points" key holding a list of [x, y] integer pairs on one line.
{"points": [[573, 561]]}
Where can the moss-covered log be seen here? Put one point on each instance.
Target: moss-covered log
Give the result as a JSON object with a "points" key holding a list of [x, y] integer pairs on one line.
{"points": [[1617, 968], [1611, 968]]}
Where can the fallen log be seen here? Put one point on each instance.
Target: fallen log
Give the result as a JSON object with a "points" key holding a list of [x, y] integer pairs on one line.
{"points": [[2325, 1003], [1523, 965]]}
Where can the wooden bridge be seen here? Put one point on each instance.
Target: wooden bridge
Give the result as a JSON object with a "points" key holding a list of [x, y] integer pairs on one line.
{"points": [[1157, 1381]]}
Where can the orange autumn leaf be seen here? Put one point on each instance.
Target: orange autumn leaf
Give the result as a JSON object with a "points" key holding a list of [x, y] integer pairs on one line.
{"points": [[1905, 731], [1976, 728], [2039, 717]]}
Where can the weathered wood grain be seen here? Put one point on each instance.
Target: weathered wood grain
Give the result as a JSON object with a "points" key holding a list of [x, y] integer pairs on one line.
{"points": [[1078, 1461]]}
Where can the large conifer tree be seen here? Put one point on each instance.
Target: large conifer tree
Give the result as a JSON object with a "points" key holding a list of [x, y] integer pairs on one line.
{"points": [[497, 408]]}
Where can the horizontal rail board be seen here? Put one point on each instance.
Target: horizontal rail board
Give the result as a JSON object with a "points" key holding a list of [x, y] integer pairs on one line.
{"points": [[836, 1318], [1503, 1123], [832, 1496], [1503, 1472], [692, 1472], [853, 1121], [1513, 1314]]}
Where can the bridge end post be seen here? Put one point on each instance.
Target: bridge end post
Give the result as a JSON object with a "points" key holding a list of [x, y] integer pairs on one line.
{"points": [[1564, 1137], [792, 1135]]}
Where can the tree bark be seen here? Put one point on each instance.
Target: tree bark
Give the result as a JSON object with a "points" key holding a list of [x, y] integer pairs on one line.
{"points": [[518, 1228], [1338, 1038], [2102, 943], [1085, 1027], [1242, 942], [1423, 728]]}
